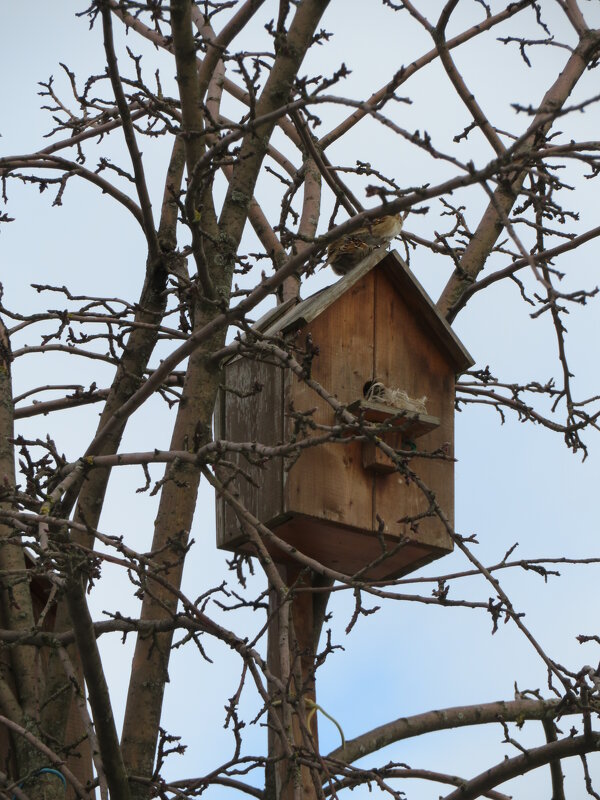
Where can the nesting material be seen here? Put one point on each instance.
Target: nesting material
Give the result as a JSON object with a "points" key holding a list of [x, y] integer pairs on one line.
{"points": [[397, 398]]}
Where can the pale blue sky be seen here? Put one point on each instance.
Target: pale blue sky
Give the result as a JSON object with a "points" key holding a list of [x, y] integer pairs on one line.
{"points": [[514, 482]]}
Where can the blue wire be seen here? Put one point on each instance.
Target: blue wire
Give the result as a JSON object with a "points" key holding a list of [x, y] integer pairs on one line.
{"points": [[49, 771]]}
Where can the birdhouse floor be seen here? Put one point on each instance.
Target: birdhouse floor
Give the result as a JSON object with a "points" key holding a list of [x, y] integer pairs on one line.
{"points": [[410, 423], [339, 545]]}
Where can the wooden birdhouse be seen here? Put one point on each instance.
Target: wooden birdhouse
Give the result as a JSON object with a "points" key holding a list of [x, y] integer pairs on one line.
{"points": [[388, 356]]}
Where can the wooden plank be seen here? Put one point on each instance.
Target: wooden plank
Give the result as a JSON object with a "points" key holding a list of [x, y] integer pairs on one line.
{"points": [[350, 550], [256, 417], [373, 457], [328, 482], [410, 423], [408, 286], [409, 358], [309, 309], [271, 317], [220, 432]]}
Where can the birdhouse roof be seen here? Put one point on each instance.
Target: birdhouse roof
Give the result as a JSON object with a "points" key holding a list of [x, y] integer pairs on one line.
{"points": [[291, 316]]}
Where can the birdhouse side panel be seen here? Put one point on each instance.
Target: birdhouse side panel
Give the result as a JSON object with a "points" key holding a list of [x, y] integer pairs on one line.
{"points": [[408, 357], [250, 410], [328, 481]]}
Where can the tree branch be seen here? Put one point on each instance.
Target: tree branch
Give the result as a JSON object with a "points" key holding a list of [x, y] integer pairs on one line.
{"points": [[520, 765], [445, 719], [490, 226], [128, 131]]}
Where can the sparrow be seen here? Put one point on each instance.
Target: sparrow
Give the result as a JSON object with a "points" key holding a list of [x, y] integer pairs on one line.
{"points": [[347, 252]]}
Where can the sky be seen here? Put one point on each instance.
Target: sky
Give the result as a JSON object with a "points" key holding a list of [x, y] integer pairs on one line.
{"points": [[514, 482]]}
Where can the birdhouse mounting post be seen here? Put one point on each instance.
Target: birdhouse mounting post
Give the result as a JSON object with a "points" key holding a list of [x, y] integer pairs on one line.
{"points": [[296, 645]]}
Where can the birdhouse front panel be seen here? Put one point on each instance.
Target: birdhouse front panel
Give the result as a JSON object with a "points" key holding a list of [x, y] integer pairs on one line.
{"points": [[328, 481], [374, 335], [408, 357], [370, 332]]}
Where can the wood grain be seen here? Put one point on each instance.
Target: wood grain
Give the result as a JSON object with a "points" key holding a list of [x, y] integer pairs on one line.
{"points": [[345, 503]]}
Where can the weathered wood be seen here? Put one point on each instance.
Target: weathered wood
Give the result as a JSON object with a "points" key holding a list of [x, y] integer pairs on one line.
{"points": [[405, 284], [373, 457], [408, 359], [329, 481], [405, 427], [433, 322], [346, 504], [410, 423], [350, 549], [254, 414]]}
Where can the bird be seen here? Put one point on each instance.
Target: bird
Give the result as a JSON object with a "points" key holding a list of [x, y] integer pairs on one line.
{"points": [[348, 251]]}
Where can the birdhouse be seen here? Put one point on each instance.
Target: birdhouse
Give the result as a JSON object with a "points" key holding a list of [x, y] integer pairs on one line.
{"points": [[378, 345]]}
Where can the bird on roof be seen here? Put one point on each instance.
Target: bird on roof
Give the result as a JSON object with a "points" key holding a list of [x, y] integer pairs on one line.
{"points": [[348, 251]]}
